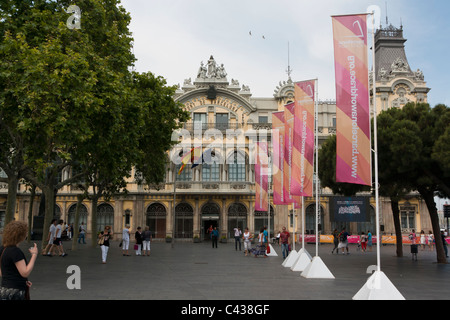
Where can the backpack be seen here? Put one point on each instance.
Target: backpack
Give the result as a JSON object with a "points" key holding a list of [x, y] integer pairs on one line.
{"points": [[342, 237]]}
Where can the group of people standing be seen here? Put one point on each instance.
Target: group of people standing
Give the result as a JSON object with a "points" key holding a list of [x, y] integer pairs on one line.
{"points": [[142, 241], [246, 237], [340, 240]]}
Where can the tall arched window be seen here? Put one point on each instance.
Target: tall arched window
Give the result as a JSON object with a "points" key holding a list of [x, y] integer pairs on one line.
{"points": [[156, 220], [105, 216], [184, 221], [310, 219], [261, 220], [83, 214], [237, 218]]}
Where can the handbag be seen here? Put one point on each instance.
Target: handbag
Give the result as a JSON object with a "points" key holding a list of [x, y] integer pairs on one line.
{"points": [[268, 249], [101, 240], [136, 247]]}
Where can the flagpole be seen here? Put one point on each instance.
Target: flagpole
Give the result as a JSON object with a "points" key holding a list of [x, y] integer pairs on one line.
{"points": [[377, 209], [174, 199], [316, 123], [303, 222], [378, 286]]}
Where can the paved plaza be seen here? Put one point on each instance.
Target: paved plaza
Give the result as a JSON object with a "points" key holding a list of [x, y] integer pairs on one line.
{"points": [[196, 271]]}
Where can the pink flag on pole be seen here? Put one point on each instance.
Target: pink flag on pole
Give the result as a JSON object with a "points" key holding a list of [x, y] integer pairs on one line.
{"points": [[261, 177], [279, 194], [353, 147], [303, 151], [288, 149]]}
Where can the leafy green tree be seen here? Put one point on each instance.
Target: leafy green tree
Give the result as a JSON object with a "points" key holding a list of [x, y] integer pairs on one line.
{"points": [[414, 146], [71, 100]]}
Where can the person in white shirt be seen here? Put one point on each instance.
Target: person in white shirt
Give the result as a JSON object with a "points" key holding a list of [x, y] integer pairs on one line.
{"points": [[125, 240], [50, 239], [57, 241], [237, 237], [247, 236]]}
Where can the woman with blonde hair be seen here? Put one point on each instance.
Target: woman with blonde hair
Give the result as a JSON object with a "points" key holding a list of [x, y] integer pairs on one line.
{"points": [[103, 241], [14, 267]]}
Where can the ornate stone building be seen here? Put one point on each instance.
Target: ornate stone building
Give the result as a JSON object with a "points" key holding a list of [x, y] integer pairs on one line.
{"points": [[225, 116]]}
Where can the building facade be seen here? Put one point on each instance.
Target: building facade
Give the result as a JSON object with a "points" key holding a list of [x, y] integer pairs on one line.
{"points": [[226, 118]]}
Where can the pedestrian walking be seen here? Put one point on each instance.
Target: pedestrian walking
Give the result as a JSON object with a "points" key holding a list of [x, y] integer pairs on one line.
{"points": [[363, 239], [138, 238], [14, 268], [82, 233], [51, 237], [285, 241], [444, 243], [147, 238], [266, 237], [237, 238], [343, 241], [369, 240], [57, 243], [103, 241], [261, 247], [423, 239], [214, 237], [431, 240], [247, 237], [335, 241], [125, 240]]}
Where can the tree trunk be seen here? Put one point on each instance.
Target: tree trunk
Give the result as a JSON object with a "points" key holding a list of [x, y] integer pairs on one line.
{"points": [[13, 182], [431, 205], [76, 223], [398, 229], [94, 221], [30, 212], [49, 210]]}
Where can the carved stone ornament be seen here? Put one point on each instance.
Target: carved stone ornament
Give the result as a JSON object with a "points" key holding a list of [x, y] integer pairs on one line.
{"points": [[211, 70], [399, 65]]}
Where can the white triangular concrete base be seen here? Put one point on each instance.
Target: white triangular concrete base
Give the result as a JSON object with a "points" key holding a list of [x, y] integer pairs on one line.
{"points": [[303, 260], [317, 269], [289, 261], [378, 287], [272, 252]]}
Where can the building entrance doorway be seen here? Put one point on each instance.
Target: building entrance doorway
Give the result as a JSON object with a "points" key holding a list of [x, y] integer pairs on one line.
{"points": [[207, 224]]}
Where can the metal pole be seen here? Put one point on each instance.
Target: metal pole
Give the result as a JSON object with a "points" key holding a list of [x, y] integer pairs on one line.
{"points": [[375, 144], [316, 123], [173, 213]]}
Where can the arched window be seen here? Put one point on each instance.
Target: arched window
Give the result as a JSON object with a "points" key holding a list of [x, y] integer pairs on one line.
{"points": [[184, 221], [105, 216], [310, 219], [237, 218], [83, 214], [156, 220], [261, 220]]}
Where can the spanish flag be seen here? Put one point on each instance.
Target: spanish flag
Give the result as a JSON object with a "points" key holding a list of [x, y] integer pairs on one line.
{"points": [[190, 157]]}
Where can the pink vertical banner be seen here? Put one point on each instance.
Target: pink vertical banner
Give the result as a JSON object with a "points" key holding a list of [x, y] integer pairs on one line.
{"points": [[261, 177], [288, 149], [303, 151], [279, 195], [353, 147]]}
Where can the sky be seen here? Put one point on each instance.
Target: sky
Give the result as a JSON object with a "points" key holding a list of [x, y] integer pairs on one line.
{"points": [[172, 38]]}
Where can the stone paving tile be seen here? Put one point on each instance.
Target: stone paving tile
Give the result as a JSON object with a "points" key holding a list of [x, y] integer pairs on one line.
{"points": [[195, 271]]}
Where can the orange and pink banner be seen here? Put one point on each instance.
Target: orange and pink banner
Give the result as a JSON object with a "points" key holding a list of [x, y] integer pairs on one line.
{"points": [[303, 150], [278, 157], [289, 136], [353, 147], [261, 177]]}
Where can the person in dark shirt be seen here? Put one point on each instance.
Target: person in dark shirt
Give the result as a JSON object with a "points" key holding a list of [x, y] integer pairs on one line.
{"points": [[14, 268]]}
